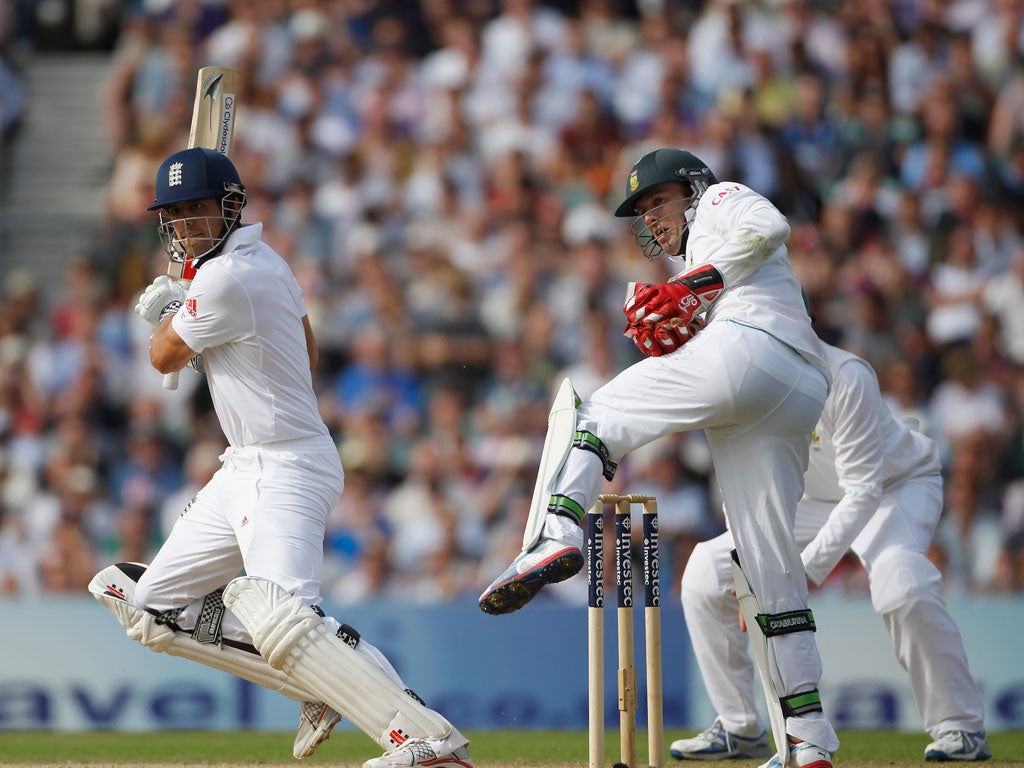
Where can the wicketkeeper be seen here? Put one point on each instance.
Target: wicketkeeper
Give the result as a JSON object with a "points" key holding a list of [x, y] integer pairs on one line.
{"points": [[730, 351]]}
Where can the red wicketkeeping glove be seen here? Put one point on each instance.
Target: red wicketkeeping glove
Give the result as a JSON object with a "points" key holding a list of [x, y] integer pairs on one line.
{"points": [[682, 297], [651, 304], [658, 340]]}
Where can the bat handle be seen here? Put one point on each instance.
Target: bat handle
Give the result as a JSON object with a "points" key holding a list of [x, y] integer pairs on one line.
{"points": [[176, 270]]}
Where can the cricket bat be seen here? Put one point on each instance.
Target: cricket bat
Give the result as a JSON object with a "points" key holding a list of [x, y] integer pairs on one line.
{"points": [[213, 122]]}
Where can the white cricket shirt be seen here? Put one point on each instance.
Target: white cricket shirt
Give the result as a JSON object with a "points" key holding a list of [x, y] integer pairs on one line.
{"points": [[244, 312]]}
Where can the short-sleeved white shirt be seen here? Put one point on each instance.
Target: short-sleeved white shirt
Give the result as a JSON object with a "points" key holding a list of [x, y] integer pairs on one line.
{"points": [[244, 312]]}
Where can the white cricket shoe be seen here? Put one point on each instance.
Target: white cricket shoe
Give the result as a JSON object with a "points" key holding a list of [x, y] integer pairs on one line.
{"points": [[316, 721], [803, 754], [959, 745], [549, 561], [426, 752], [716, 743]]}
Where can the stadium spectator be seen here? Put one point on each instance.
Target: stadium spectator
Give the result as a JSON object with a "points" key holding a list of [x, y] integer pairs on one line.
{"points": [[437, 176]]}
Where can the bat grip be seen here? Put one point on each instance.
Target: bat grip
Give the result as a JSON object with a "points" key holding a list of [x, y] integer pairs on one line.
{"points": [[171, 380]]}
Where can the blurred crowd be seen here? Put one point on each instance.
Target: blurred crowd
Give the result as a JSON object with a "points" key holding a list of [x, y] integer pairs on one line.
{"points": [[440, 176]]}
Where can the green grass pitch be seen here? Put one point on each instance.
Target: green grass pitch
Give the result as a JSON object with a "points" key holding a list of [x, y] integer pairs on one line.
{"points": [[348, 749]]}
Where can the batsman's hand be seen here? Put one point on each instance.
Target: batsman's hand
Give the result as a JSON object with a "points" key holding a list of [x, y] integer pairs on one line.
{"points": [[658, 340], [161, 298]]}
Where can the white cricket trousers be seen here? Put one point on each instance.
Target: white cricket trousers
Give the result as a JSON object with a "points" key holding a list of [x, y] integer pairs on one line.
{"points": [[758, 402], [906, 589], [264, 510]]}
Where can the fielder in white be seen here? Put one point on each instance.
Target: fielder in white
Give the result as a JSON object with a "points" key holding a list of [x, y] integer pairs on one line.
{"points": [[243, 322], [754, 378], [872, 486]]}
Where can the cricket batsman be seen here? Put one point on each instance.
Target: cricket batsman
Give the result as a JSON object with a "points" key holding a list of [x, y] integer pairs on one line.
{"points": [[243, 322]]}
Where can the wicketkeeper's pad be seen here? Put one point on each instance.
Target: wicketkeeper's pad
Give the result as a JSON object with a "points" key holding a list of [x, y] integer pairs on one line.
{"points": [[557, 443]]}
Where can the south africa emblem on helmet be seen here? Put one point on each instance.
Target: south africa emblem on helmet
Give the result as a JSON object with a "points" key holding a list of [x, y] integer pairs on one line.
{"points": [[634, 180]]}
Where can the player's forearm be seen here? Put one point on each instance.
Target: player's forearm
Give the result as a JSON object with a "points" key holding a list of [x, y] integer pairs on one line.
{"points": [[834, 539], [167, 352]]}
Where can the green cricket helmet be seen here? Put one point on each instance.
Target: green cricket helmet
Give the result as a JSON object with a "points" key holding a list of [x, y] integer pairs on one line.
{"points": [[661, 166]]}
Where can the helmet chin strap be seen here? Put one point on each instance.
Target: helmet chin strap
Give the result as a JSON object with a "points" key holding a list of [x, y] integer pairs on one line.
{"points": [[214, 252]]}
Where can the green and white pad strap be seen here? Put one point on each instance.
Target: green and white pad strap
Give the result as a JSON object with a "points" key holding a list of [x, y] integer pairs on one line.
{"points": [[557, 443], [566, 507], [588, 441], [800, 704], [292, 638], [775, 624]]}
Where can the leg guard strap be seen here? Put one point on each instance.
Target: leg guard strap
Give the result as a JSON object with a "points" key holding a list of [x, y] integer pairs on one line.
{"points": [[566, 507], [588, 441], [775, 624], [208, 629], [348, 636], [800, 704], [211, 617], [346, 633]]}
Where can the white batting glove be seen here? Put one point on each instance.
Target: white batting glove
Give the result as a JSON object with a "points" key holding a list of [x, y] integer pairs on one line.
{"points": [[161, 298]]}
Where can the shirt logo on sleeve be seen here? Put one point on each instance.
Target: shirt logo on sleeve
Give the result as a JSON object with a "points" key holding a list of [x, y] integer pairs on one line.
{"points": [[718, 198], [190, 307]]}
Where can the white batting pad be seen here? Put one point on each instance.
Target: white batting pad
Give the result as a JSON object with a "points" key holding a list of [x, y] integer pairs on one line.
{"points": [[115, 588], [557, 443], [293, 639]]}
